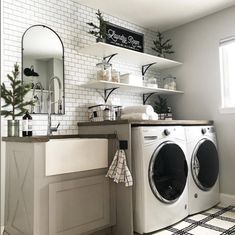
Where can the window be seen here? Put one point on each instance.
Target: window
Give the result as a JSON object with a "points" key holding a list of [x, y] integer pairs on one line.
{"points": [[227, 69]]}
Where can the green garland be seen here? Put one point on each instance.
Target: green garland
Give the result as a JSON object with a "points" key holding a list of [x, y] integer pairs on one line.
{"points": [[98, 31], [160, 106], [162, 47]]}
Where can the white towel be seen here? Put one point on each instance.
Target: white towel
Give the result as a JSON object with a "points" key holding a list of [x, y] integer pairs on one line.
{"points": [[135, 116], [147, 109], [118, 169], [153, 116]]}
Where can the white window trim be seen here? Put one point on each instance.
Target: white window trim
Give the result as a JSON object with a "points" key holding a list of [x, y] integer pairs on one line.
{"points": [[221, 79], [227, 40]]}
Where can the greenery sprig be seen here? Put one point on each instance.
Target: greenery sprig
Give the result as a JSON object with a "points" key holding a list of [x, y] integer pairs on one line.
{"points": [[14, 97], [98, 31], [160, 106], [162, 46]]}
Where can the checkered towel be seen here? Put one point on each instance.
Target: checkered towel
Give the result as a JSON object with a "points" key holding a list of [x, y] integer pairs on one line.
{"points": [[118, 170]]}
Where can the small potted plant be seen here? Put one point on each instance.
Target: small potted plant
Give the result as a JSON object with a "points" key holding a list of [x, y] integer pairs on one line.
{"points": [[162, 109], [161, 46], [14, 100], [99, 31]]}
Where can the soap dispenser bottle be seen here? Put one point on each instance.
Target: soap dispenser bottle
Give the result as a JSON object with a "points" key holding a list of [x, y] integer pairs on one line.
{"points": [[27, 124]]}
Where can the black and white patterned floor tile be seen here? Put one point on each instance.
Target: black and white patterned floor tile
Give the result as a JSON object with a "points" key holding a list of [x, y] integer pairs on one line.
{"points": [[218, 220]]}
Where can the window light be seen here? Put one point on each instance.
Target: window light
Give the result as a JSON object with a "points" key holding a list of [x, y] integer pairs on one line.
{"points": [[227, 69]]}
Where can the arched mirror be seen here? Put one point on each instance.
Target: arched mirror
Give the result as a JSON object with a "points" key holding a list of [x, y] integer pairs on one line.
{"points": [[43, 69]]}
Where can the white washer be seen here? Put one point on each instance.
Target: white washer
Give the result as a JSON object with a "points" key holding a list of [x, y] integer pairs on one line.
{"points": [[204, 168], [160, 177]]}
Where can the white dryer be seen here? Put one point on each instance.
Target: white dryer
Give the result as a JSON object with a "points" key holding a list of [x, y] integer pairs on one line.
{"points": [[204, 168], [160, 177]]}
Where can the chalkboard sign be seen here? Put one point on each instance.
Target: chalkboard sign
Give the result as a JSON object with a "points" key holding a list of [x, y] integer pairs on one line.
{"points": [[123, 37]]}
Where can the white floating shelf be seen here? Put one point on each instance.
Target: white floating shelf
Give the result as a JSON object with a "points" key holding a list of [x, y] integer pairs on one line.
{"points": [[129, 88], [127, 56]]}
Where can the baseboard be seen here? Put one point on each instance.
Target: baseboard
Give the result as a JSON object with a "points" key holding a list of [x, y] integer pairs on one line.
{"points": [[227, 199]]}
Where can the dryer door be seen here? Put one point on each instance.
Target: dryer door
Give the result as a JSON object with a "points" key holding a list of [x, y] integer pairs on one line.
{"points": [[205, 164], [168, 172]]}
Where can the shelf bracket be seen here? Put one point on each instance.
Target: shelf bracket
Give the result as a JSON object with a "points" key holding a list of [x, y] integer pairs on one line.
{"points": [[108, 92], [109, 57], [145, 68], [147, 96]]}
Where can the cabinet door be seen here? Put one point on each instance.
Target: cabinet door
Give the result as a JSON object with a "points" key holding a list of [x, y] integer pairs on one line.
{"points": [[79, 206]]}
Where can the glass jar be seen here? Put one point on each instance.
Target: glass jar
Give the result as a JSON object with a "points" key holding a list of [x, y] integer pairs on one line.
{"points": [[169, 83], [152, 82], [103, 71], [115, 76], [113, 114], [118, 112], [107, 114]]}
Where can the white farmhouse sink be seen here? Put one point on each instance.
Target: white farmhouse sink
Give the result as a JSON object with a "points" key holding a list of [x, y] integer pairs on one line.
{"points": [[75, 154]]}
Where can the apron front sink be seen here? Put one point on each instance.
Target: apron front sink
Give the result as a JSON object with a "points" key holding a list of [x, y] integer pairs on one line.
{"points": [[75, 154]]}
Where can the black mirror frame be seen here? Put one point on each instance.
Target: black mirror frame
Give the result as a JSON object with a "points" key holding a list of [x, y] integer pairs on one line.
{"points": [[22, 62]]}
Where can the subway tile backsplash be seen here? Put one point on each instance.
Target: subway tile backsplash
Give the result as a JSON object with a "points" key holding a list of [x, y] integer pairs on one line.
{"points": [[68, 18]]}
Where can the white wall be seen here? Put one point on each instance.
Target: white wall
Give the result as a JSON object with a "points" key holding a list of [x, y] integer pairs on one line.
{"points": [[196, 45]]}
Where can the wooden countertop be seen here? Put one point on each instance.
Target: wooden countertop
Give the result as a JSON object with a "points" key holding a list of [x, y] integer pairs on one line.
{"points": [[150, 123], [36, 139]]}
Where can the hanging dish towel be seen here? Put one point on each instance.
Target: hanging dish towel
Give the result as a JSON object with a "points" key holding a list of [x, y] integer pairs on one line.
{"points": [[118, 169]]}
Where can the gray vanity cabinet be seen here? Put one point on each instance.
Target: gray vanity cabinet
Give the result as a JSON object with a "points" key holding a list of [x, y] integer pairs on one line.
{"points": [[78, 206], [65, 204]]}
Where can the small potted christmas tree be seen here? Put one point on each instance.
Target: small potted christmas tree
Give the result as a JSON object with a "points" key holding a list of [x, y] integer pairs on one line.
{"points": [[99, 31], [162, 109], [161, 46], [14, 100]]}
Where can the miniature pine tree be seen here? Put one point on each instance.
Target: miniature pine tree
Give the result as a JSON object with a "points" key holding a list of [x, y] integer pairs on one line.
{"points": [[98, 31], [14, 97], [162, 47], [161, 106]]}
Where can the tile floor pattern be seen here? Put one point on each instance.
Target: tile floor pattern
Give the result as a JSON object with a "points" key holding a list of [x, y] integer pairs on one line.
{"points": [[218, 220]]}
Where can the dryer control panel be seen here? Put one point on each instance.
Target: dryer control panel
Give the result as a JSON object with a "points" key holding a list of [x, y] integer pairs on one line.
{"points": [[205, 130]]}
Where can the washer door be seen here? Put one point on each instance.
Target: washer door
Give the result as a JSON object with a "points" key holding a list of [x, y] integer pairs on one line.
{"points": [[168, 172], [205, 164]]}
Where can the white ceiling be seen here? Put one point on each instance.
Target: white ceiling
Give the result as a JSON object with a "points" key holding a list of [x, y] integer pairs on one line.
{"points": [[159, 14]]}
